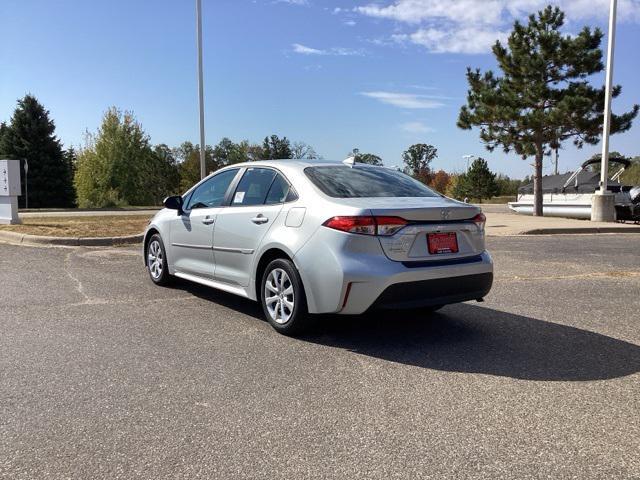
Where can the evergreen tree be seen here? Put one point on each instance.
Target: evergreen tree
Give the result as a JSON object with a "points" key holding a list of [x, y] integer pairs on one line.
{"points": [[274, 148], [543, 96], [479, 181], [31, 136]]}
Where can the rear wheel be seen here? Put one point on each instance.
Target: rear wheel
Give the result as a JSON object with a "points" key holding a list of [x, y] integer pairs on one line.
{"points": [[283, 298]]}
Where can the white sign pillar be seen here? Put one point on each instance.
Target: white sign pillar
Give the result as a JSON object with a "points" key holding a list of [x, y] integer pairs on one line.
{"points": [[9, 191]]}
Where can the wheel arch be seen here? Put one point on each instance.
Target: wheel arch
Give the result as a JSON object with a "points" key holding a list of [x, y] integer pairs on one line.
{"points": [[151, 231], [267, 257]]}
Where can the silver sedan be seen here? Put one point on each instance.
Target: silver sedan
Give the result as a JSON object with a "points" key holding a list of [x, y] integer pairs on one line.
{"points": [[307, 237]]}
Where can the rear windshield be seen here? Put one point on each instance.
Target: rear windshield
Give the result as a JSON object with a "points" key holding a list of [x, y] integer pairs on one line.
{"points": [[346, 182]]}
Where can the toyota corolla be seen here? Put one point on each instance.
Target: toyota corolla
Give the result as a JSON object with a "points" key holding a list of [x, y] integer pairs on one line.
{"points": [[306, 237]]}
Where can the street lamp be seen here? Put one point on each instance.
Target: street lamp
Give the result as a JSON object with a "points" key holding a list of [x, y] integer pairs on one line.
{"points": [[203, 170], [467, 158], [603, 208]]}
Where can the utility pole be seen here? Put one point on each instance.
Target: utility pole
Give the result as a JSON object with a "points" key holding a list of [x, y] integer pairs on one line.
{"points": [[203, 168], [603, 206]]}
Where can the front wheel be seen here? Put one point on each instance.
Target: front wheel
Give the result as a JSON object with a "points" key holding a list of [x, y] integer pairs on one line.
{"points": [[283, 298], [157, 261]]}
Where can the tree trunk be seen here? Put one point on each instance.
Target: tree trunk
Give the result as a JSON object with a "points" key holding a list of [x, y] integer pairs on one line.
{"points": [[537, 182]]}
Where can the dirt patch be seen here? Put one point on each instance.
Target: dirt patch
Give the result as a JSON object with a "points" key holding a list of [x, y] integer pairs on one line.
{"points": [[81, 226]]}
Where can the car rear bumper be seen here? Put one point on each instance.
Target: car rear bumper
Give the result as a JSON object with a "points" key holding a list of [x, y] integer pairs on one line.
{"points": [[441, 291], [399, 286], [352, 276]]}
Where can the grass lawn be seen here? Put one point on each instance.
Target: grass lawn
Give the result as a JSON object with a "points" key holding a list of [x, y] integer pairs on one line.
{"points": [[97, 226]]}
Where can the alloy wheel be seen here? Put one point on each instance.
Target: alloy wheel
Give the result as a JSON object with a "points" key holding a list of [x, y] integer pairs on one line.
{"points": [[279, 296], [155, 259]]}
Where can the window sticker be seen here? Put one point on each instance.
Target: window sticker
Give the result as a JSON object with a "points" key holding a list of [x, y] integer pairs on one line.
{"points": [[239, 198]]}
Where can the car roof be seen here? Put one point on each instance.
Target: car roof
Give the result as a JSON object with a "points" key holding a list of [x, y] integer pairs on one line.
{"points": [[296, 163]]}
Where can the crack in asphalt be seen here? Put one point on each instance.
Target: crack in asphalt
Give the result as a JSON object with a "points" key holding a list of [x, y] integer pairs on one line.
{"points": [[76, 280]]}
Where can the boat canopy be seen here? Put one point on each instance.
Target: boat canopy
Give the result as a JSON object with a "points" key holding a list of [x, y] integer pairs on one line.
{"points": [[622, 161], [587, 182]]}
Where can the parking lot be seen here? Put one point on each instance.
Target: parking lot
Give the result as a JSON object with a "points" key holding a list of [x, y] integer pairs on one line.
{"points": [[103, 374]]}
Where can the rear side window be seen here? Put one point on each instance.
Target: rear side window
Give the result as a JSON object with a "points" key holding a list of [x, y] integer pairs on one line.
{"points": [[253, 187], [280, 191], [360, 182]]}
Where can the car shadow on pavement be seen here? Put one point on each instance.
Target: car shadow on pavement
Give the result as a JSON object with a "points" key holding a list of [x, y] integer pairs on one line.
{"points": [[472, 339], [228, 300]]}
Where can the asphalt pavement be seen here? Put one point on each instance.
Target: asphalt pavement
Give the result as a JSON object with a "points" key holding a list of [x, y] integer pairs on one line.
{"points": [[103, 375]]}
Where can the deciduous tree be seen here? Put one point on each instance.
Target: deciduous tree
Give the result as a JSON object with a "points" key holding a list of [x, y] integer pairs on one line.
{"points": [[368, 158], [417, 161]]}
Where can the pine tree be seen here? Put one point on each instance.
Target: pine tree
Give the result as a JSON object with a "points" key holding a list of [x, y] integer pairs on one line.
{"points": [[30, 137], [480, 182], [274, 148], [543, 96]]}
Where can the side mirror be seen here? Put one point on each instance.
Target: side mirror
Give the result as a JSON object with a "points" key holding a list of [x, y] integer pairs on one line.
{"points": [[174, 203]]}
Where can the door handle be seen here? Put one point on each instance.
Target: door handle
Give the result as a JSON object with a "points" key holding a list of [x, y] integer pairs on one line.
{"points": [[208, 220], [259, 219]]}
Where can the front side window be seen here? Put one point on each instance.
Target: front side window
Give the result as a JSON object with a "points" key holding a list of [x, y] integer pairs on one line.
{"points": [[211, 193], [361, 182], [253, 187]]}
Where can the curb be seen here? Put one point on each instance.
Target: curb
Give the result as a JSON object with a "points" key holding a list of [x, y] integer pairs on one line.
{"points": [[26, 239], [585, 230]]}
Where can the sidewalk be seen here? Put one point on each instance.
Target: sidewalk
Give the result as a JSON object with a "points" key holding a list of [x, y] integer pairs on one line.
{"points": [[500, 221]]}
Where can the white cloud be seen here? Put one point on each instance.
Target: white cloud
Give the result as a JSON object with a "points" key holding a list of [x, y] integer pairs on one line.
{"points": [[405, 100], [417, 11], [416, 127], [472, 26], [293, 2], [304, 50], [335, 51], [464, 40], [350, 23]]}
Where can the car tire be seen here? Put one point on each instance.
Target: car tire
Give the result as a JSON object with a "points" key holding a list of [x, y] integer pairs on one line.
{"points": [[156, 260], [283, 298]]}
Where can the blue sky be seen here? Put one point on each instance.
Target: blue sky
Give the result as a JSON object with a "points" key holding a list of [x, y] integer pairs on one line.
{"points": [[336, 74]]}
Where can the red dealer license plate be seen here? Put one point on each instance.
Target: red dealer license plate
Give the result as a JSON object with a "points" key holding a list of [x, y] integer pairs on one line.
{"points": [[442, 243]]}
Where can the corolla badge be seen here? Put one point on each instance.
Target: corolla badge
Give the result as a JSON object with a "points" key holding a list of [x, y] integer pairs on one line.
{"points": [[444, 214]]}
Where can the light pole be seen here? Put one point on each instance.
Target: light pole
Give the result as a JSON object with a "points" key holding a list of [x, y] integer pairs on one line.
{"points": [[203, 169], [467, 158], [602, 208]]}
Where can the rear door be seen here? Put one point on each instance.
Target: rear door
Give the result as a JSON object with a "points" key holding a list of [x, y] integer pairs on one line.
{"points": [[241, 226], [192, 232]]}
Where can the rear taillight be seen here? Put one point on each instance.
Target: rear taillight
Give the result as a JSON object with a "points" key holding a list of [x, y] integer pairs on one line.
{"points": [[480, 220], [367, 225]]}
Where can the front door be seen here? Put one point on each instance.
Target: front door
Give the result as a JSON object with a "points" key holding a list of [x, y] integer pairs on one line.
{"points": [[241, 226], [192, 232]]}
